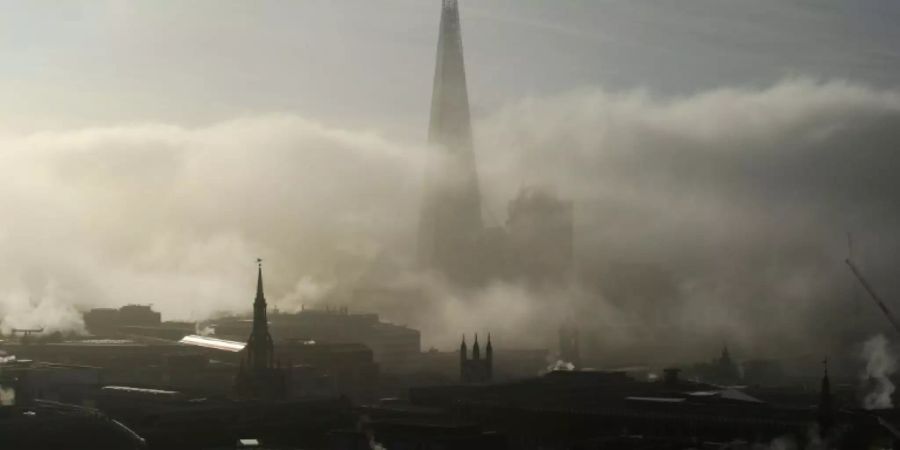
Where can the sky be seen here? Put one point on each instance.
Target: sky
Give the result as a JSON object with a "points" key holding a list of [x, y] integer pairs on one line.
{"points": [[151, 150], [89, 63]]}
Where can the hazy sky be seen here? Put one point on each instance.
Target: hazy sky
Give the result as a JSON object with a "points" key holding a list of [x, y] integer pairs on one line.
{"points": [[369, 63], [150, 151]]}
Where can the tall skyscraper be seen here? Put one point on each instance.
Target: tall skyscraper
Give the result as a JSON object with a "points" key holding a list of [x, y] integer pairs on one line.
{"points": [[451, 223]]}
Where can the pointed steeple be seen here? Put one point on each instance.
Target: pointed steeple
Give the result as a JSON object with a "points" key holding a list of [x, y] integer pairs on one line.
{"points": [[260, 296], [259, 374], [260, 348], [489, 350], [476, 350], [463, 350], [451, 220]]}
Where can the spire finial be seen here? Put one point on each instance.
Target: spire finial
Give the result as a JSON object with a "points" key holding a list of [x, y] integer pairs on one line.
{"points": [[259, 281]]}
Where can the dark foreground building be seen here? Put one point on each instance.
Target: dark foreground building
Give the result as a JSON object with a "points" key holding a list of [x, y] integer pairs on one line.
{"points": [[178, 420], [600, 410], [43, 424]]}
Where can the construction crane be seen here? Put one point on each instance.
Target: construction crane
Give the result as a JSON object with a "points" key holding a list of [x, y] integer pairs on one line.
{"points": [[865, 284]]}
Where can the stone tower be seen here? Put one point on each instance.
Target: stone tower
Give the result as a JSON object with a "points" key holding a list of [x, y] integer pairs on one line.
{"points": [[476, 369]]}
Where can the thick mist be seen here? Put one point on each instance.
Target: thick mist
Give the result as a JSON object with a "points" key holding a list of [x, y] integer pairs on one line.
{"points": [[715, 218]]}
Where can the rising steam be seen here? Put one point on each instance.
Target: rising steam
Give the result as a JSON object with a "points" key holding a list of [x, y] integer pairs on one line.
{"points": [[881, 364]]}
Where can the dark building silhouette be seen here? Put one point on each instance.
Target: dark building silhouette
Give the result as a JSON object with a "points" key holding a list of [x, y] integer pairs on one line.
{"points": [[611, 410], [44, 424], [722, 370], [540, 234], [170, 419], [476, 369], [395, 347], [259, 376], [392, 426], [727, 370], [110, 320], [451, 223]]}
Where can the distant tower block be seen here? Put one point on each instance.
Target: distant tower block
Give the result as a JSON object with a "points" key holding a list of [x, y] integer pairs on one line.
{"points": [[451, 223]]}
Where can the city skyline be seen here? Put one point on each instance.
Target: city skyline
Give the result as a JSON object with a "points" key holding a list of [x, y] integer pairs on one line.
{"points": [[87, 64], [487, 224], [725, 190]]}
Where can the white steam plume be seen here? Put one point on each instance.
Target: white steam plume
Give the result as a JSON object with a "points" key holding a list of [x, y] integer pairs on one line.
{"points": [[881, 364], [560, 365], [7, 396], [49, 310]]}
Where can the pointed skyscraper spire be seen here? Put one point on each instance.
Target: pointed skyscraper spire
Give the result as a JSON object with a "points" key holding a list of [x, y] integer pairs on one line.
{"points": [[450, 121], [451, 220]]}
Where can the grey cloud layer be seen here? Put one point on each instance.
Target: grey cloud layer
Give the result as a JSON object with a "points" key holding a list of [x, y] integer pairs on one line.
{"points": [[742, 196]]}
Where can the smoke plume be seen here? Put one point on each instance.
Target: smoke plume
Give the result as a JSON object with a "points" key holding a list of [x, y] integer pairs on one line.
{"points": [[7, 396], [881, 364], [560, 365]]}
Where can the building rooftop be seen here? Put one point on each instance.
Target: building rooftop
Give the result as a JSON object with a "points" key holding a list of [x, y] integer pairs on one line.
{"points": [[213, 343]]}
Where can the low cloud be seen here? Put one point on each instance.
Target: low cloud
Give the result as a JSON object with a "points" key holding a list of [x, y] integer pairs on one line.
{"points": [[714, 217]]}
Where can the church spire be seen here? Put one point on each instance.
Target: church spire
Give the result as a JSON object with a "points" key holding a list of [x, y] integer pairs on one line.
{"points": [[260, 296], [260, 348]]}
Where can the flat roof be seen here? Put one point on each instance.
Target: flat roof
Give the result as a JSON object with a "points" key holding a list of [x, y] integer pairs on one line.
{"points": [[140, 390], [656, 399], [213, 343]]}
